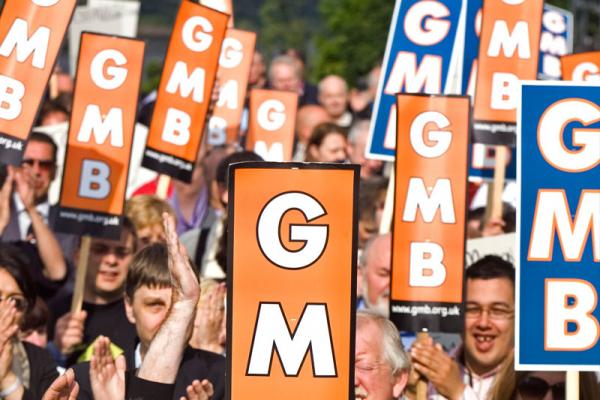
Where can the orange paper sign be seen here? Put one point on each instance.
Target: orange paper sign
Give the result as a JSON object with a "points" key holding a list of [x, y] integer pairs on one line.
{"points": [[184, 93], [234, 67], [292, 281], [429, 212], [272, 122], [581, 67], [100, 135], [31, 33], [508, 52]]}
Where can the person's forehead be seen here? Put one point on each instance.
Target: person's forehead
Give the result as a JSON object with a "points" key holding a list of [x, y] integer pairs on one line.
{"points": [[283, 70], [8, 283], [146, 293], [368, 339], [126, 240], [490, 291], [379, 252], [36, 148]]}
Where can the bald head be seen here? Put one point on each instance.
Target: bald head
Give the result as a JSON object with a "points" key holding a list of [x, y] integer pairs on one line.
{"points": [[333, 95], [307, 118]]}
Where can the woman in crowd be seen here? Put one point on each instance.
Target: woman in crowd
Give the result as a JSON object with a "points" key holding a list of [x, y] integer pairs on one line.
{"points": [[328, 143], [26, 371]]}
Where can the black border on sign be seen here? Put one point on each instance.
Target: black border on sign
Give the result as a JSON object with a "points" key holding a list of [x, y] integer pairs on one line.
{"points": [[466, 208], [230, 242], [10, 158], [433, 323], [495, 139], [109, 235], [76, 227], [179, 175], [173, 171]]}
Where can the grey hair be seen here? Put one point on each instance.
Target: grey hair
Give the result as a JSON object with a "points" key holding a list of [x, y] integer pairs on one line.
{"points": [[393, 349], [286, 60], [357, 129]]}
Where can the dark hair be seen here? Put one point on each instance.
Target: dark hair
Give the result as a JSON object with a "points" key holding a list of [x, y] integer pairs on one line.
{"points": [[37, 318], [52, 106], [491, 267], [223, 167], [13, 262], [321, 131], [129, 226], [44, 138], [150, 268]]}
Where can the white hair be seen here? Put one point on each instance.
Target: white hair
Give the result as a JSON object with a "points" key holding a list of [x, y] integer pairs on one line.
{"points": [[358, 128], [393, 350]]}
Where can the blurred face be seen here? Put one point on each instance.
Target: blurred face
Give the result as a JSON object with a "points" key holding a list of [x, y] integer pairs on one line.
{"points": [[373, 379], [332, 149], [542, 386], [489, 323], [356, 152], [285, 77], [334, 97], [150, 235], [307, 119], [9, 290], [147, 310], [37, 337], [53, 118], [107, 268], [39, 167], [376, 275], [257, 69]]}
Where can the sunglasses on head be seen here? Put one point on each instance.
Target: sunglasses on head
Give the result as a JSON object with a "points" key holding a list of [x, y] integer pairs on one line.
{"points": [[43, 164], [533, 388]]}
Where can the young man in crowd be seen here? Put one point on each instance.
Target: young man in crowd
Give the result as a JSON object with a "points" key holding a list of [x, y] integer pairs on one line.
{"points": [[103, 308], [381, 366], [147, 302], [488, 336]]}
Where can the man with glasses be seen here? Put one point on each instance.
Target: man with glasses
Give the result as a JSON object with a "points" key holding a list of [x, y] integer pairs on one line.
{"points": [[32, 182], [488, 336]]}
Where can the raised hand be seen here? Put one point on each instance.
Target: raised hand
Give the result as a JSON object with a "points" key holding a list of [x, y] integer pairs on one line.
{"points": [[199, 390], [68, 333], [183, 278], [5, 193], [25, 190], [209, 318], [107, 375], [63, 388]]}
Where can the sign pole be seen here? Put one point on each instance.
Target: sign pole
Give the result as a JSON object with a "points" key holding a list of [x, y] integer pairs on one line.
{"points": [[422, 383], [82, 264], [388, 208], [162, 187], [499, 179], [572, 385]]}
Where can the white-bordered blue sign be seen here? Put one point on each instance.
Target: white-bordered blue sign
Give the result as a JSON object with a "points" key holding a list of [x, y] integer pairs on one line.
{"points": [[558, 227], [419, 58]]}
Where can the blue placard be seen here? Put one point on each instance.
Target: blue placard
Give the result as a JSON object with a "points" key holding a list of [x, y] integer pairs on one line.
{"points": [[471, 52], [554, 173], [556, 41], [429, 64], [482, 161]]}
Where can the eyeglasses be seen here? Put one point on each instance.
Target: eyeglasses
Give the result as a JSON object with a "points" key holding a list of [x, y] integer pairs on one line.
{"points": [[496, 313], [19, 301], [43, 164], [533, 388]]}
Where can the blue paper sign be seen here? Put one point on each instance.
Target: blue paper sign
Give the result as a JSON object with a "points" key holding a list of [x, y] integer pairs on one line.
{"points": [[558, 227], [419, 58], [556, 41]]}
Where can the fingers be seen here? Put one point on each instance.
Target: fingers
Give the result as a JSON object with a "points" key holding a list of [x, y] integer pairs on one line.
{"points": [[199, 390]]}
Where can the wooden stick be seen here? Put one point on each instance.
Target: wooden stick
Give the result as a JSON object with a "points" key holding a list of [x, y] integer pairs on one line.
{"points": [[494, 209], [572, 385], [53, 86], [422, 383], [162, 187], [82, 264], [388, 208]]}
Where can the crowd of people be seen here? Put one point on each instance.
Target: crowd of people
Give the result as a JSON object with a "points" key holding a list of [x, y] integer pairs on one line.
{"points": [[155, 298]]}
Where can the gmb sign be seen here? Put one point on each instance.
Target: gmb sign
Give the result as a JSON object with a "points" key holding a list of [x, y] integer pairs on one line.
{"points": [[292, 281], [558, 252]]}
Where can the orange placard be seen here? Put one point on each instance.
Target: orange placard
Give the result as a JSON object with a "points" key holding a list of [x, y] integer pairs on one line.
{"points": [[234, 67], [292, 281], [428, 232], [508, 52], [225, 6], [272, 122], [581, 66], [184, 92], [31, 33], [101, 129]]}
